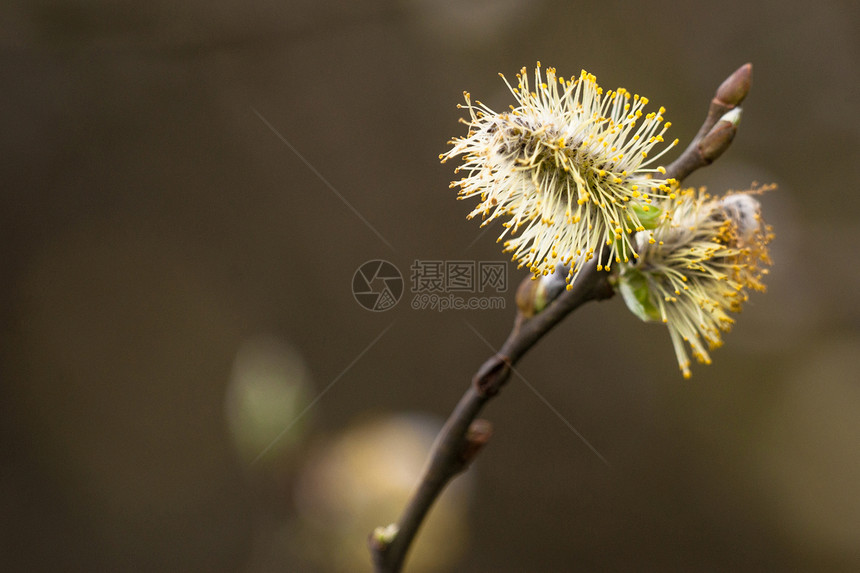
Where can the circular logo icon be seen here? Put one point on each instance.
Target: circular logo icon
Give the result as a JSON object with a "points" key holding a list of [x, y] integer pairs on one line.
{"points": [[377, 285]]}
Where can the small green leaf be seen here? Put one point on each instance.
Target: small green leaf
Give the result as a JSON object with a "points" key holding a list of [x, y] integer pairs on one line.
{"points": [[633, 286], [650, 219]]}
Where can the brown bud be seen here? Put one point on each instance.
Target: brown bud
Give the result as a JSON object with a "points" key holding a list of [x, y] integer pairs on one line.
{"points": [[535, 293], [526, 296], [477, 436], [736, 87], [717, 141]]}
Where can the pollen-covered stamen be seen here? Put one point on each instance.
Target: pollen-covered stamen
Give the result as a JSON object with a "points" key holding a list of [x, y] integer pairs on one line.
{"points": [[704, 259], [563, 167]]}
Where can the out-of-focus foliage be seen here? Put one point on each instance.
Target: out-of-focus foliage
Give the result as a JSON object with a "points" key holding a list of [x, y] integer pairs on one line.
{"points": [[267, 400]]}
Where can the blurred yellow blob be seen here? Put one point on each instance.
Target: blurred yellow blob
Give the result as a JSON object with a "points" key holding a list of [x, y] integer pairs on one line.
{"points": [[362, 479]]}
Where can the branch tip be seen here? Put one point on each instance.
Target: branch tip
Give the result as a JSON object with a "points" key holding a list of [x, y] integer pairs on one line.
{"points": [[382, 536], [735, 87]]}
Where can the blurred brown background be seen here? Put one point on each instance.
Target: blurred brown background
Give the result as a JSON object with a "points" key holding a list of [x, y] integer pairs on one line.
{"points": [[176, 283]]}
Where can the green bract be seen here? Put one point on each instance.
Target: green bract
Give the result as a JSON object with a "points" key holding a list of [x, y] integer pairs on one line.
{"points": [[633, 287], [649, 219]]}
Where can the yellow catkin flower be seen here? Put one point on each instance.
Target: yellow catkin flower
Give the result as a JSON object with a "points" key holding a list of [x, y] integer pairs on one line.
{"points": [[568, 168], [708, 254]]}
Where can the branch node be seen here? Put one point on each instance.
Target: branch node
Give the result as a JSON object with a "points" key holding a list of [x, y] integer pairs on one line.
{"points": [[492, 375]]}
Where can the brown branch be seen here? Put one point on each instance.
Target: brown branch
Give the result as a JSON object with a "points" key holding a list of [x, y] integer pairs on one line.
{"points": [[464, 435]]}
